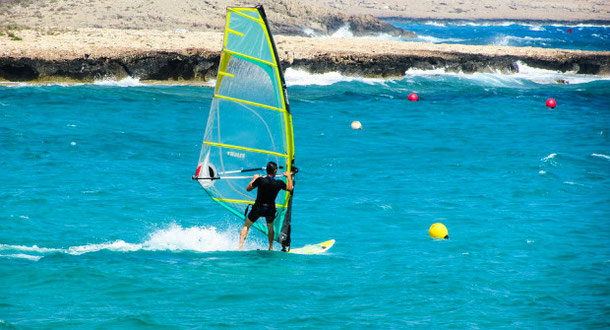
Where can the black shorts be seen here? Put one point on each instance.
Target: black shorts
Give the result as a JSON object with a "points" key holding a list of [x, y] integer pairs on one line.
{"points": [[262, 210]]}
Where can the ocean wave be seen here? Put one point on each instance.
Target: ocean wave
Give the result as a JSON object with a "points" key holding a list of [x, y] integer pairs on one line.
{"points": [[583, 25], [601, 156], [295, 77], [344, 32], [509, 40], [435, 39], [173, 238], [537, 28], [443, 23], [550, 160], [33, 248], [549, 157], [125, 82], [303, 78], [21, 256], [525, 73]]}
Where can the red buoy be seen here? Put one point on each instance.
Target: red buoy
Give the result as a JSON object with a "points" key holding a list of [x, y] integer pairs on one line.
{"points": [[570, 31], [551, 103], [413, 97]]}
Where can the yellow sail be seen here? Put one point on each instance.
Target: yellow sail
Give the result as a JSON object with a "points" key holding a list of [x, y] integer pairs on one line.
{"points": [[249, 122]]}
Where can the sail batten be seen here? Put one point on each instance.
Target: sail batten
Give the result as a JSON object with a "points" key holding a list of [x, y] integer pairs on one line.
{"points": [[249, 122], [249, 57], [222, 145], [245, 101]]}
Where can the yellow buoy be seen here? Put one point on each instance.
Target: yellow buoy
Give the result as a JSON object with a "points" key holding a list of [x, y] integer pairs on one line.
{"points": [[438, 230]]}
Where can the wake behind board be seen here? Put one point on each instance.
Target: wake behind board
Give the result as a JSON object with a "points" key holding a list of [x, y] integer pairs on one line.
{"points": [[314, 248]]}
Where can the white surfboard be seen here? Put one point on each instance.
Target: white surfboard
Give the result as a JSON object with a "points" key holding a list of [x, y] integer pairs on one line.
{"points": [[314, 248]]}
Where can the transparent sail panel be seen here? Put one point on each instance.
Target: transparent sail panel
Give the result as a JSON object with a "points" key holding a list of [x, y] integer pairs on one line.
{"points": [[260, 80], [247, 126], [254, 41]]}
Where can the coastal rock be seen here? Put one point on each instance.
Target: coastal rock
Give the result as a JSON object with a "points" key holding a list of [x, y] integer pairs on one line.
{"points": [[202, 65], [396, 65], [79, 69], [363, 25], [147, 66]]}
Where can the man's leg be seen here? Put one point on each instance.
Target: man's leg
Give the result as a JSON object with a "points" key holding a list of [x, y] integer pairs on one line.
{"points": [[270, 234], [244, 233]]}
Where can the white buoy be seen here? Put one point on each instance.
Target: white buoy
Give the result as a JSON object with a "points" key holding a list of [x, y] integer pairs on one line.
{"points": [[356, 125]]}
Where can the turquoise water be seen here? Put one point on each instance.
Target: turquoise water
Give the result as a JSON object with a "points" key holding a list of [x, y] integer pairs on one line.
{"points": [[583, 36], [101, 225]]}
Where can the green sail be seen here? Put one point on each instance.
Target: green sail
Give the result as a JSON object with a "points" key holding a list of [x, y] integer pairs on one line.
{"points": [[249, 122]]}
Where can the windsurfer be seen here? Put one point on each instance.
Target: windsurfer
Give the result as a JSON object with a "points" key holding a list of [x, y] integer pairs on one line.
{"points": [[264, 206]]}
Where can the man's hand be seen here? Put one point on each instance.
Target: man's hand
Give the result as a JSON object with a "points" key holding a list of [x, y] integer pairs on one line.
{"points": [[250, 187], [289, 185]]}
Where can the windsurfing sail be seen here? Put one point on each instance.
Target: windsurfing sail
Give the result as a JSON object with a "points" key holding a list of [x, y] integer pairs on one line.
{"points": [[249, 122]]}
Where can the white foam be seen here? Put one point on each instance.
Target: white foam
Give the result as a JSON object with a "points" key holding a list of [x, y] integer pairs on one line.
{"points": [[537, 28], [21, 256], [435, 39], [125, 82], [200, 239], [296, 77], [525, 73], [118, 246], [173, 238], [508, 40], [302, 78], [601, 156], [435, 23], [344, 32], [33, 248], [581, 25], [309, 32], [549, 157]]}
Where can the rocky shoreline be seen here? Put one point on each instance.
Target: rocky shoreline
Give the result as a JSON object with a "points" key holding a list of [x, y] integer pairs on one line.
{"points": [[201, 66], [88, 55]]}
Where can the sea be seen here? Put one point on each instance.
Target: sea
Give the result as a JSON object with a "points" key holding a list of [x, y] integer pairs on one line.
{"points": [[593, 36], [101, 226]]}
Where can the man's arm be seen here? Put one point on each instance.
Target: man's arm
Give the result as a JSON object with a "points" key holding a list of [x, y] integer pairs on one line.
{"points": [[289, 185], [250, 186]]}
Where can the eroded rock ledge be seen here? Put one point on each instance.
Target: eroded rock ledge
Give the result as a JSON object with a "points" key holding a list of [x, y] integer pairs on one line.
{"points": [[356, 57]]}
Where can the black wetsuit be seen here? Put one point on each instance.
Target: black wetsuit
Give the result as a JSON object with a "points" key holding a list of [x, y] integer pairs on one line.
{"points": [[264, 206]]}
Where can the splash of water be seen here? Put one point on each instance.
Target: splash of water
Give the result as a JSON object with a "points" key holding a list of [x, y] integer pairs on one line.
{"points": [[173, 238]]}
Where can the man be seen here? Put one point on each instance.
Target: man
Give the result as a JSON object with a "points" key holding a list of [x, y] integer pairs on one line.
{"points": [[264, 206]]}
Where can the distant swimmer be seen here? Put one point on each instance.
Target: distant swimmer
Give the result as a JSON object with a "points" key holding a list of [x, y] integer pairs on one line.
{"points": [[264, 206]]}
